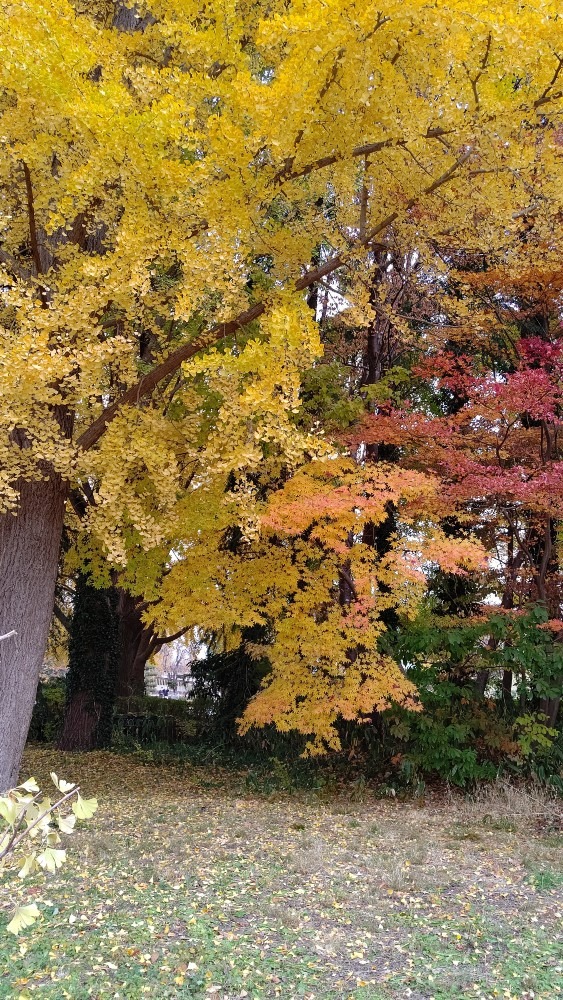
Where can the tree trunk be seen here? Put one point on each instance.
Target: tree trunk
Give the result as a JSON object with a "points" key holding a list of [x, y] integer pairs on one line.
{"points": [[109, 646], [93, 657], [29, 552], [136, 643], [481, 683], [550, 708], [507, 688]]}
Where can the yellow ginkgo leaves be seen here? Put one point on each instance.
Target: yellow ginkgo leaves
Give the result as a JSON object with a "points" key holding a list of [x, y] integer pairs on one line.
{"points": [[26, 817]]}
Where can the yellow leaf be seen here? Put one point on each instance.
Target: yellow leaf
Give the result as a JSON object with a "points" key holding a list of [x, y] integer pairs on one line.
{"points": [[84, 808], [23, 917]]}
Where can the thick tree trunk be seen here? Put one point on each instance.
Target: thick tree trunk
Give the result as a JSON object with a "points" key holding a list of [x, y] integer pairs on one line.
{"points": [[109, 646], [93, 657], [29, 552], [136, 643]]}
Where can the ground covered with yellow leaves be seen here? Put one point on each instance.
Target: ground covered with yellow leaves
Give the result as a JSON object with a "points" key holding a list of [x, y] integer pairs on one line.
{"points": [[185, 885]]}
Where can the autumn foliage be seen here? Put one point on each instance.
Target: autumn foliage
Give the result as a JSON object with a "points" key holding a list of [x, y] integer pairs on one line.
{"points": [[199, 207]]}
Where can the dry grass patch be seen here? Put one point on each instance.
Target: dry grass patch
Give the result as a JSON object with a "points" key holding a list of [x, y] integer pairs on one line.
{"points": [[509, 806]]}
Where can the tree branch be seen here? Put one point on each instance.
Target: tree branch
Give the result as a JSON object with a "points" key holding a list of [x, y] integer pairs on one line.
{"points": [[348, 579], [148, 383], [13, 843], [162, 640], [61, 617], [365, 149], [547, 95], [475, 79], [35, 253]]}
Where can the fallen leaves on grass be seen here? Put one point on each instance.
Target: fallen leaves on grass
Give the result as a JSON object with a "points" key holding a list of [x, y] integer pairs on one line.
{"points": [[181, 890]]}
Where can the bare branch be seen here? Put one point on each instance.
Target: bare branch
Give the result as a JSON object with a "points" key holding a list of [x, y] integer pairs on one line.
{"points": [[364, 149], [547, 95], [61, 617]]}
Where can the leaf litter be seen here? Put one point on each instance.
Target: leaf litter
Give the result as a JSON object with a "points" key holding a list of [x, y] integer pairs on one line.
{"points": [[186, 886]]}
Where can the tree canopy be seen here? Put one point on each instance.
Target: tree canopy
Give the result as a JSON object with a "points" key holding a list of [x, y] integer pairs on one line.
{"points": [[176, 181]]}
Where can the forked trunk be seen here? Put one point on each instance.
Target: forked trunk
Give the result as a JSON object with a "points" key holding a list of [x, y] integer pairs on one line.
{"points": [[29, 552]]}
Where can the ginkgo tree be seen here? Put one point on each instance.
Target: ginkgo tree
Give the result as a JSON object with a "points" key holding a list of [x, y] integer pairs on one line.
{"points": [[150, 158]]}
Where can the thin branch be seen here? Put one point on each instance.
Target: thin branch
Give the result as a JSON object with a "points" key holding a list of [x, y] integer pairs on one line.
{"points": [[61, 617], [148, 383], [348, 579], [8, 635], [546, 556], [381, 20], [290, 160], [364, 201], [35, 252], [475, 79], [14, 842], [364, 149], [7, 845], [177, 385], [547, 95]]}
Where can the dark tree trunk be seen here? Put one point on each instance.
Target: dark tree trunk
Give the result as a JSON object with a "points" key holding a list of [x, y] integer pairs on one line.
{"points": [[29, 552], [507, 688], [93, 664], [481, 683], [136, 643], [550, 708], [108, 649]]}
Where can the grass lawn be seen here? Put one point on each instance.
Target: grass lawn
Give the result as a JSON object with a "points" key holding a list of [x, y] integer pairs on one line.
{"points": [[185, 885]]}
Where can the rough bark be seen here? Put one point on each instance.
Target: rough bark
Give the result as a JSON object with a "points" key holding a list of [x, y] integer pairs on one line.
{"points": [[29, 550], [550, 708]]}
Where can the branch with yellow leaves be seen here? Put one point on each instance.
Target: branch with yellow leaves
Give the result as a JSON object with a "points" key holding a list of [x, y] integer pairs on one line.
{"points": [[148, 383]]}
